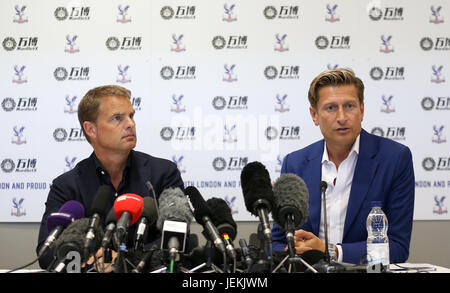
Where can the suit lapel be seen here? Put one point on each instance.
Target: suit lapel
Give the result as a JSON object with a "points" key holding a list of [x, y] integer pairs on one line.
{"points": [[88, 184], [365, 170], [139, 174], [312, 178]]}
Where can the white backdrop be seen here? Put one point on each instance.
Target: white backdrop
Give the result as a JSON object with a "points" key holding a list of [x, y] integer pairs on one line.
{"points": [[217, 84]]}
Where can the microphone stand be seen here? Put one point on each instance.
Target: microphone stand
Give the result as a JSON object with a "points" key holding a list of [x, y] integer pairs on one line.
{"points": [[120, 263], [209, 254], [264, 263], [325, 224], [292, 256], [297, 259], [290, 230], [324, 265]]}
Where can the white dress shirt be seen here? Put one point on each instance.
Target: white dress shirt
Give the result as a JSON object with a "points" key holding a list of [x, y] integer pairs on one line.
{"points": [[337, 194]]}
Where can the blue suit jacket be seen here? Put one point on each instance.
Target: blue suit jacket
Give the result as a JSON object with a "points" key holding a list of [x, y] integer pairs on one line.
{"points": [[384, 172]]}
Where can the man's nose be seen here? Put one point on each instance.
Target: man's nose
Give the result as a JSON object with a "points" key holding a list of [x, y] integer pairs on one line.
{"points": [[341, 116], [130, 122]]}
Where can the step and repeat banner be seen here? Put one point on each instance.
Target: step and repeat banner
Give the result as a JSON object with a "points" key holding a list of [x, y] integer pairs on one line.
{"points": [[216, 85]]}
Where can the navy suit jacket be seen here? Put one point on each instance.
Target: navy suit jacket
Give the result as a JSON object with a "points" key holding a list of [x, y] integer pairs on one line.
{"points": [[81, 184], [384, 172]]}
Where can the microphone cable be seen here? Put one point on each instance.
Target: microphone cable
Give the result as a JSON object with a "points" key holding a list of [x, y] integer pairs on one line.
{"points": [[234, 265], [172, 263], [22, 267], [225, 266]]}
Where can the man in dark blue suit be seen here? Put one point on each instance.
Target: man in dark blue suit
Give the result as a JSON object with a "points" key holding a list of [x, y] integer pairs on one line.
{"points": [[107, 119], [358, 167]]}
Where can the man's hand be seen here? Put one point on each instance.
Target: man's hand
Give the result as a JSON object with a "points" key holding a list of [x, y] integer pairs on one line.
{"points": [[305, 241], [99, 265]]}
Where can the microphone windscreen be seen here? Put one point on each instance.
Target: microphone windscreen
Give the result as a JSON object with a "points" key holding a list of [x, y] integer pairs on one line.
{"points": [[111, 217], [173, 206], [222, 217], [290, 197], [323, 185], [102, 198], [201, 209], [72, 239], [150, 210], [70, 211], [312, 256], [131, 203], [256, 187]]}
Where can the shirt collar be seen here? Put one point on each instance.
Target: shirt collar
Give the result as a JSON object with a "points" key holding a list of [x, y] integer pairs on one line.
{"points": [[354, 149], [100, 169]]}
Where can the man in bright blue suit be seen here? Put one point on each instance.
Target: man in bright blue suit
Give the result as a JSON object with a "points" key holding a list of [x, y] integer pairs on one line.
{"points": [[358, 168]]}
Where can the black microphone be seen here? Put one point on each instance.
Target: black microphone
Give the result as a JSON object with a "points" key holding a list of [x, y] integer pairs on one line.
{"points": [[151, 191], [110, 222], [246, 253], [223, 220], [323, 188], [101, 201], [152, 259], [313, 256], [56, 222], [148, 218], [291, 206], [203, 216], [72, 240], [258, 194]]}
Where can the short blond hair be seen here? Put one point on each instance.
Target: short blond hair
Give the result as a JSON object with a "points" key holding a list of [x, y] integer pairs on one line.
{"points": [[89, 104], [334, 77]]}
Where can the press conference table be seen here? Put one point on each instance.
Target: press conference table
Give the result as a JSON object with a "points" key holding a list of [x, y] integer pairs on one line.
{"points": [[417, 268], [395, 268]]}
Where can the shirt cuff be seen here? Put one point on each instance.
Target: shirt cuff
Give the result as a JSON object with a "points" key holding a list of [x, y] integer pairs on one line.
{"points": [[340, 256]]}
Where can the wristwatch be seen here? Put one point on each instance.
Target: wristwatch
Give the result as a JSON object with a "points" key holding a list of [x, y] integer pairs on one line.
{"points": [[332, 251]]}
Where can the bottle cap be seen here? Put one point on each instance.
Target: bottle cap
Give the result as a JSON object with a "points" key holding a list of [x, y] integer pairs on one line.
{"points": [[375, 204]]}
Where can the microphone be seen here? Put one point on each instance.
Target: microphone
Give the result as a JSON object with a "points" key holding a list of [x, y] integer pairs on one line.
{"points": [[150, 188], [323, 187], [174, 216], [203, 216], [290, 206], [72, 240], [258, 194], [224, 222], [128, 209], [56, 222], [148, 218], [246, 253], [98, 209], [110, 222], [313, 257]]}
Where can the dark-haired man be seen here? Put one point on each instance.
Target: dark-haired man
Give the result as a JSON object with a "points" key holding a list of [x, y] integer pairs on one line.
{"points": [[107, 118]]}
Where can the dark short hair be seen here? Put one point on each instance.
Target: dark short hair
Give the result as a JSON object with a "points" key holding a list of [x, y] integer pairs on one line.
{"points": [[334, 77], [89, 104]]}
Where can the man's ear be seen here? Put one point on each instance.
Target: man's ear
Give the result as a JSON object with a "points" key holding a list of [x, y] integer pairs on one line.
{"points": [[362, 111], [314, 116], [90, 129]]}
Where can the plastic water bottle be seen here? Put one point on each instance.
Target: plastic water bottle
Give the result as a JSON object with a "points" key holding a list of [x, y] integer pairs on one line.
{"points": [[377, 239]]}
